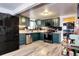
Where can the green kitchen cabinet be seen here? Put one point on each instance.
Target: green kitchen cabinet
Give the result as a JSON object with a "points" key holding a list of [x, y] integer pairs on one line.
{"points": [[41, 36], [43, 23], [56, 38], [35, 36], [56, 22], [22, 39], [23, 21]]}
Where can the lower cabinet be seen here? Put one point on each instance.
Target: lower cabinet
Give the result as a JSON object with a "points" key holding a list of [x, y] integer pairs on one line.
{"points": [[56, 38], [22, 39], [41, 36], [35, 36]]}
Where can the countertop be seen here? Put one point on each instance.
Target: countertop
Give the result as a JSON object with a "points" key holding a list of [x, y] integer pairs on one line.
{"points": [[36, 31]]}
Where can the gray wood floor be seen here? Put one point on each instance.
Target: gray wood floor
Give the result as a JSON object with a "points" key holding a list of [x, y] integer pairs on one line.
{"points": [[38, 48]]}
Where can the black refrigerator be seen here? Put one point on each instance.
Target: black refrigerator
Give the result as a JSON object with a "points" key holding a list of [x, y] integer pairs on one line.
{"points": [[9, 33]]}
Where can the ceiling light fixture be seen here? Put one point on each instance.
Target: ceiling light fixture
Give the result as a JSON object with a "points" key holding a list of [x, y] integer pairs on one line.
{"points": [[46, 13]]}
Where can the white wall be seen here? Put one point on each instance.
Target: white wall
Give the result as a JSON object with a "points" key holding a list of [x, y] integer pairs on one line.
{"points": [[61, 22]]}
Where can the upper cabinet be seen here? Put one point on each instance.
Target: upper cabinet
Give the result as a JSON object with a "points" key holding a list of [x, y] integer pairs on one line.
{"points": [[50, 22], [56, 22], [24, 21], [40, 23]]}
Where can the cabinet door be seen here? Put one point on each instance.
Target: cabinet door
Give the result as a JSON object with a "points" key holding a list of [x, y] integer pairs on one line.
{"points": [[24, 21], [38, 23], [35, 36], [27, 22], [22, 39], [41, 36], [43, 23], [56, 38], [56, 22]]}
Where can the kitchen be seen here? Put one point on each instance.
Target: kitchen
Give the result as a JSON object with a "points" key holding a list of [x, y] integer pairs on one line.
{"points": [[41, 29]]}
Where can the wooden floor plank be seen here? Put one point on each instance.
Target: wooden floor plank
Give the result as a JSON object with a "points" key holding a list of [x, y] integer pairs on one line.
{"points": [[38, 48]]}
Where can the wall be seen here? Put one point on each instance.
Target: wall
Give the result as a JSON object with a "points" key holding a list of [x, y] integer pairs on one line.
{"points": [[61, 22]]}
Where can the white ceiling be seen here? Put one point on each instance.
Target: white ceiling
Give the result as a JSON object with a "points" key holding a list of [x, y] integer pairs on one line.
{"points": [[58, 9], [15, 8], [10, 6]]}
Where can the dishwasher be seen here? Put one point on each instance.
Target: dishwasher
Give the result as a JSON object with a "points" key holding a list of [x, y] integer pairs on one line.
{"points": [[28, 39]]}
